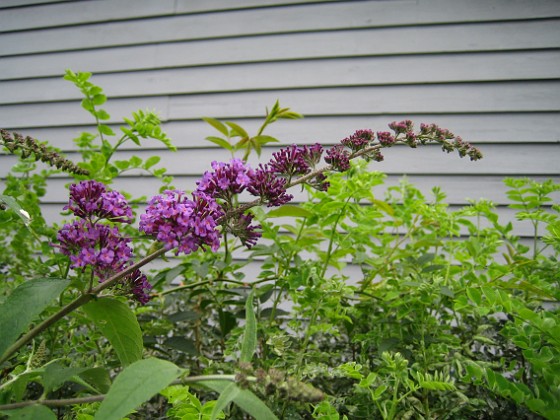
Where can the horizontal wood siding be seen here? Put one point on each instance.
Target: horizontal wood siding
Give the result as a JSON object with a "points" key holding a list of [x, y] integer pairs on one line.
{"points": [[489, 70]]}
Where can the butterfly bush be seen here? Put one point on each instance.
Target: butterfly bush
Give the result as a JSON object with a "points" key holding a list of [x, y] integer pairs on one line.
{"points": [[189, 223], [90, 243]]}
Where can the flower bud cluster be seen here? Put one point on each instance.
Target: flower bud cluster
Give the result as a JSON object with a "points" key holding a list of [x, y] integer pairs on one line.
{"points": [[29, 146], [449, 142], [88, 242]]}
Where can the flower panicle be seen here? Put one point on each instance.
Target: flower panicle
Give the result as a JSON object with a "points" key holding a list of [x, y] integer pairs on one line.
{"points": [[28, 146]]}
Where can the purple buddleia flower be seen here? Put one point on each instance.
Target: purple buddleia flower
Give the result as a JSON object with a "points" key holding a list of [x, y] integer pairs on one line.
{"points": [[401, 127], [182, 223], [241, 226], [97, 245], [91, 199], [338, 158], [385, 138], [289, 161], [225, 180], [295, 160], [359, 140], [137, 285], [269, 187]]}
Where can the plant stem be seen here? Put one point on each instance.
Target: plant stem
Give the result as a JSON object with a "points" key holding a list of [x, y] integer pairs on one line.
{"points": [[76, 303]]}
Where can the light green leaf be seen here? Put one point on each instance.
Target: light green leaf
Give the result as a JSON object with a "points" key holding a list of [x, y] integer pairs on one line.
{"points": [[263, 139], [237, 130], [136, 384], [151, 161], [217, 125], [224, 144], [229, 393], [119, 325], [14, 205], [32, 412], [289, 211], [25, 303], [249, 345], [245, 400]]}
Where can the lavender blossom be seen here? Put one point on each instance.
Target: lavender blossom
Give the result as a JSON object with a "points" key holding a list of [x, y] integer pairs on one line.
{"points": [[91, 198], [182, 223], [226, 179], [97, 245]]}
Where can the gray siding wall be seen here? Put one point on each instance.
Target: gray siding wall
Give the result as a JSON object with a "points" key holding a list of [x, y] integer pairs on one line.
{"points": [[489, 70]]}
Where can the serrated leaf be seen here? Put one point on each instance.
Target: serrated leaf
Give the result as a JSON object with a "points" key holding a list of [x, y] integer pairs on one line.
{"points": [[245, 400], [249, 345], [25, 303], [119, 325], [289, 211], [136, 384], [220, 142]]}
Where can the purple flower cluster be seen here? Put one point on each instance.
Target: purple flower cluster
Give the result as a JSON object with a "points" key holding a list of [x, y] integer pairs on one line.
{"points": [[359, 140], [138, 285], [385, 138], [338, 157], [91, 199], [294, 160], [269, 187], [242, 227], [448, 141], [88, 242], [226, 179], [97, 245], [182, 223]]}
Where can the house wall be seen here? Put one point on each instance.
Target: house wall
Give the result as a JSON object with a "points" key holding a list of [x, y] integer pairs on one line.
{"points": [[489, 70]]}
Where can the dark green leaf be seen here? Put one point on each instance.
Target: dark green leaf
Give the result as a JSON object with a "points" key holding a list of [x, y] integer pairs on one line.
{"points": [[119, 325], [25, 303], [182, 344], [32, 412], [249, 345], [136, 384], [245, 400]]}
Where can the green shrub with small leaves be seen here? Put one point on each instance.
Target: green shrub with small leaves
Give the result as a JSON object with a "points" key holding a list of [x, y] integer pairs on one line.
{"points": [[348, 304]]}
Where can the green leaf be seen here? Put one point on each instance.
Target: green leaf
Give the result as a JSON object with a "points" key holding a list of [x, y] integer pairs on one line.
{"points": [[263, 139], [217, 125], [237, 130], [25, 303], [229, 393], [98, 378], [224, 144], [136, 384], [105, 129], [151, 161], [32, 412], [249, 345], [289, 211], [245, 400], [119, 325], [14, 205], [55, 375]]}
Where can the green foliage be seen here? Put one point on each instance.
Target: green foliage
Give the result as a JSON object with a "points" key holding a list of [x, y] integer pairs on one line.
{"points": [[362, 304]]}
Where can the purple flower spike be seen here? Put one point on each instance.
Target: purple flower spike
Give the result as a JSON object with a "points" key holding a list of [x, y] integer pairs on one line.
{"points": [[181, 223], [91, 199], [338, 158], [269, 187], [97, 245], [226, 179], [138, 286]]}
